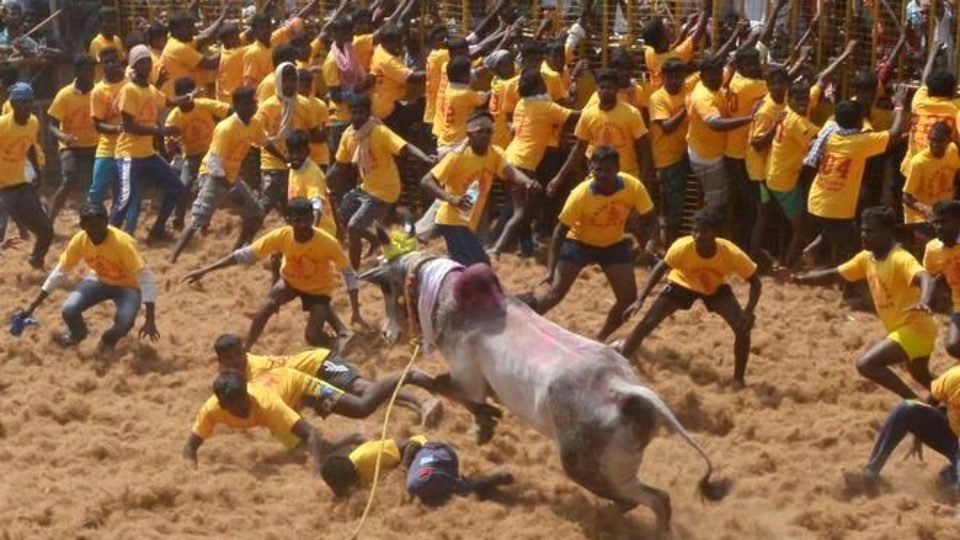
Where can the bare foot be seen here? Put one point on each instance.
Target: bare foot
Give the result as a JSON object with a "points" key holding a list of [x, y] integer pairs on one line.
{"points": [[343, 341], [432, 413], [809, 258]]}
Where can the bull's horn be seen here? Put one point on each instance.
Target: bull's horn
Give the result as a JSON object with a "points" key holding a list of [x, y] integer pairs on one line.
{"points": [[375, 274]]}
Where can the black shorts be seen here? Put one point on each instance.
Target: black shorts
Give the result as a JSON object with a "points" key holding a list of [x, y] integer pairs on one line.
{"points": [[336, 371], [684, 298], [308, 301], [582, 254]]}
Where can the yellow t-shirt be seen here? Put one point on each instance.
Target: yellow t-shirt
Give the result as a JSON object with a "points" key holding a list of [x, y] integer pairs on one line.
{"points": [[267, 87], [331, 77], [104, 106], [309, 267], [939, 259], [511, 96], [309, 182], [457, 171], [115, 261], [765, 119], [391, 84], [689, 270], [742, 93], [788, 150], [364, 457], [892, 289], [319, 151], [230, 73], [946, 389], [230, 143], [930, 180], [258, 58], [363, 47], [925, 111], [143, 103], [180, 60], [702, 105], [15, 141], [307, 362], [558, 84], [383, 180], [668, 148], [598, 220], [836, 189], [638, 95], [275, 397], [459, 101], [533, 122], [620, 127], [501, 132], [654, 61], [196, 126], [71, 108], [435, 61], [97, 44], [269, 115]]}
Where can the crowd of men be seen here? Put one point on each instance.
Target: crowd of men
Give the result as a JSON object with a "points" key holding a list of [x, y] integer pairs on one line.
{"points": [[312, 120]]}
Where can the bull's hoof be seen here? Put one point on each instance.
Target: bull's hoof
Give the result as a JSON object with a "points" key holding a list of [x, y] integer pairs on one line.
{"points": [[484, 433]]}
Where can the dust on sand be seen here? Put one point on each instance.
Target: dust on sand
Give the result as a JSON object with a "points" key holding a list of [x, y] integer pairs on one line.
{"points": [[90, 447]]}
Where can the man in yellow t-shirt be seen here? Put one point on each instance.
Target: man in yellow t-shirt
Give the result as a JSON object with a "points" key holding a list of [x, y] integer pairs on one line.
{"points": [[319, 138], [219, 170], [706, 137], [106, 38], [657, 37], [366, 152], [590, 231], [901, 291], [743, 91], [433, 472], [118, 273], [535, 119], [942, 258], [343, 75], [933, 102], [790, 143], [108, 123], [668, 140], [311, 258], [181, 56], [392, 77], [934, 423], [196, 120], [139, 103], [699, 266], [307, 181], [324, 364], [458, 103], [72, 124], [20, 146], [462, 182], [230, 68], [257, 58], [839, 157], [610, 122], [439, 55], [760, 138], [932, 176]]}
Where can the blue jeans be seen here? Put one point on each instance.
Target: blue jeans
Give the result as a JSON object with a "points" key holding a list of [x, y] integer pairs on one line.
{"points": [[463, 245], [106, 176], [90, 292], [135, 173], [929, 424]]}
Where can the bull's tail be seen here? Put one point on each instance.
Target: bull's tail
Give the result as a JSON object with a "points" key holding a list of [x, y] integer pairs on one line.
{"points": [[713, 490]]}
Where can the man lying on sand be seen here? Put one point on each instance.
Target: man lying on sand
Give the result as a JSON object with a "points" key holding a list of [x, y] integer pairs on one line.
{"points": [[901, 292], [699, 266], [433, 471], [310, 257], [929, 424], [323, 364], [271, 400]]}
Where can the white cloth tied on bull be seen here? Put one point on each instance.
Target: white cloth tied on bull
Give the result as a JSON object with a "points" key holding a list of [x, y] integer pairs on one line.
{"points": [[432, 274]]}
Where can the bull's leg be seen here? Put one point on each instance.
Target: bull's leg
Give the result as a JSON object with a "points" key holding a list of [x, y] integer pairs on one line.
{"points": [[485, 416], [636, 493]]}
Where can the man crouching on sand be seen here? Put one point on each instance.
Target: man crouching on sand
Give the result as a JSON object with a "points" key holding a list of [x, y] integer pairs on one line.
{"points": [[271, 400]]}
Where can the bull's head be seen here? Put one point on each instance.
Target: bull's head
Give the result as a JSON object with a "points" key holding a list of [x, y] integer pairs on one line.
{"points": [[391, 276]]}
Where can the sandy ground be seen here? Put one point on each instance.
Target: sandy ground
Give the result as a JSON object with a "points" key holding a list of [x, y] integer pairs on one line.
{"points": [[90, 447]]}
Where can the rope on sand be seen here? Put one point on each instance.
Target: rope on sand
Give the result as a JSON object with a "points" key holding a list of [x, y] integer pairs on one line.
{"points": [[383, 436]]}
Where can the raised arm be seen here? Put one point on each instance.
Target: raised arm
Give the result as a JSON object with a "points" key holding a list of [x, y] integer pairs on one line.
{"points": [[932, 54], [886, 70], [701, 28], [770, 22], [209, 34], [824, 77], [899, 115]]}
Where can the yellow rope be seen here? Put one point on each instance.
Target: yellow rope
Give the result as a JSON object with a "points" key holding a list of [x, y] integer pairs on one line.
{"points": [[383, 436]]}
